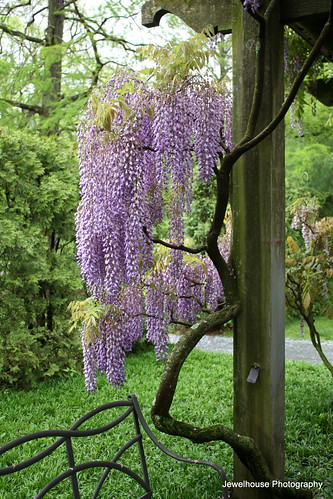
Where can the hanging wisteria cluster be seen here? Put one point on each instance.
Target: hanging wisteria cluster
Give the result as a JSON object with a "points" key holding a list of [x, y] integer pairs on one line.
{"points": [[305, 213], [139, 146]]}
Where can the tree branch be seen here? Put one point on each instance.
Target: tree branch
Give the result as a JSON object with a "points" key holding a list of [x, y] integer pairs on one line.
{"points": [[180, 247], [20, 34], [99, 31], [315, 339], [76, 97], [27, 107], [222, 198], [34, 14], [307, 314], [245, 448], [180, 323], [17, 6], [241, 148], [181, 351], [99, 64], [259, 80]]}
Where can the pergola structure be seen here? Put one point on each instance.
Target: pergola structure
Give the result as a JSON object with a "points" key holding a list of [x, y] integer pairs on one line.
{"points": [[258, 211], [306, 17]]}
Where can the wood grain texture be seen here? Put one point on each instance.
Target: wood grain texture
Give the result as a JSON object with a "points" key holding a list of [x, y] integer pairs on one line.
{"points": [[293, 10]]}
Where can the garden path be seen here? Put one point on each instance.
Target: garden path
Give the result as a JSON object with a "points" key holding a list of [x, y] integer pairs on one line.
{"points": [[295, 349]]}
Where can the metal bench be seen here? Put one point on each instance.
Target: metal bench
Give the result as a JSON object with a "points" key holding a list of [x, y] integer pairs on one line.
{"points": [[65, 437]]}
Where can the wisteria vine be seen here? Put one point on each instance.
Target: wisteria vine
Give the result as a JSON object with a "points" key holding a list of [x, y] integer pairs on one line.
{"points": [[139, 149]]}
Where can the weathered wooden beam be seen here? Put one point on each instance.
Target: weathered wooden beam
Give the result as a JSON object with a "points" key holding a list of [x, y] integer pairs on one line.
{"points": [[201, 13], [306, 17], [309, 29], [258, 252], [322, 90], [293, 10], [198, 14]]}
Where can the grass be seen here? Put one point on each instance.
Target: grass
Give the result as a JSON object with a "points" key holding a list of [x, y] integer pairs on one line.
{"points": [[323, 324], [204, 396], [292, 330]]}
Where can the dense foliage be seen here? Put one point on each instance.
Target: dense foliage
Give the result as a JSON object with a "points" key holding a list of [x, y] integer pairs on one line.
{"points": [[53, 53], [38, 271], [309, 157]]}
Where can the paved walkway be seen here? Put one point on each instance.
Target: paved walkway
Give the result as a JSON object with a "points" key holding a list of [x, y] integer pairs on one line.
{"points": [[295, 349]]}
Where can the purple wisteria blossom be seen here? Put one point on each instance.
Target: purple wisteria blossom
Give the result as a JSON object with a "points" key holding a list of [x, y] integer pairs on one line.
{"points": [[304, 216], [138, 147], [251, 5]]}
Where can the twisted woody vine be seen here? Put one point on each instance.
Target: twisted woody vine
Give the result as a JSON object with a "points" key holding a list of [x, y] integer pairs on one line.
{"points": [[143, 142]]}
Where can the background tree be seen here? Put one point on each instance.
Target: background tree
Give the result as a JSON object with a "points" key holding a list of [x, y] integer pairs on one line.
{"points": [[309, 160], [53, 54], [309, 268]]}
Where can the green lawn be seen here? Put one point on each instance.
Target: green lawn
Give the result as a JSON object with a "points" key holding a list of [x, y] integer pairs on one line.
{"points": [[292, 330], [323, 324], [204, 397]]}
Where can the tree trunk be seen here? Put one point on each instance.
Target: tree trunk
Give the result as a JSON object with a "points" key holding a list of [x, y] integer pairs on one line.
{"points": [[53, 60]]}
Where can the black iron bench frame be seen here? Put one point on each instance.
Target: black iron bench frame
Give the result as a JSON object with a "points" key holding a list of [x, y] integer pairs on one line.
{"points": [[65, 436]]}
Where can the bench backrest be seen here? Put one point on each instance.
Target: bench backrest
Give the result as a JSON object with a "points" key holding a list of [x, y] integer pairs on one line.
{"points": [[65, 437]]}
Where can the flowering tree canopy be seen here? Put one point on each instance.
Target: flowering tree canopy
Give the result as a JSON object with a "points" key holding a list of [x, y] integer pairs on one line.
{"points": [[140, 148]]}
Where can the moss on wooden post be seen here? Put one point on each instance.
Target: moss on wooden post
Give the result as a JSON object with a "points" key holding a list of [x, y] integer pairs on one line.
{"points": [[258, 215]]}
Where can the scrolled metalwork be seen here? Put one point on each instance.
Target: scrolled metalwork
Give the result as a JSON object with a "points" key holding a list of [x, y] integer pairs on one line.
{"points": [[65, 437]]}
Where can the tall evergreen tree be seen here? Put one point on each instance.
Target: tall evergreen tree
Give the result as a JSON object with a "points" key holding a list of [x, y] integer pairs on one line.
{"points": [[38, 271]]}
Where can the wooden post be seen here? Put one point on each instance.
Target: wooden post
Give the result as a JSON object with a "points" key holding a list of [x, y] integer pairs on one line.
{"points": [[258, 215], [258, 252]]}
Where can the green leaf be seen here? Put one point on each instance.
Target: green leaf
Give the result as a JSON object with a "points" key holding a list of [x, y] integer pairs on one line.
{"points": [[307, 300]]}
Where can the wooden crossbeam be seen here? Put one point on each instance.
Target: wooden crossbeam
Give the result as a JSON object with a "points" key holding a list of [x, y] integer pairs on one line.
{"points": [[306, 17], [198, 14], [295, 10]]}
